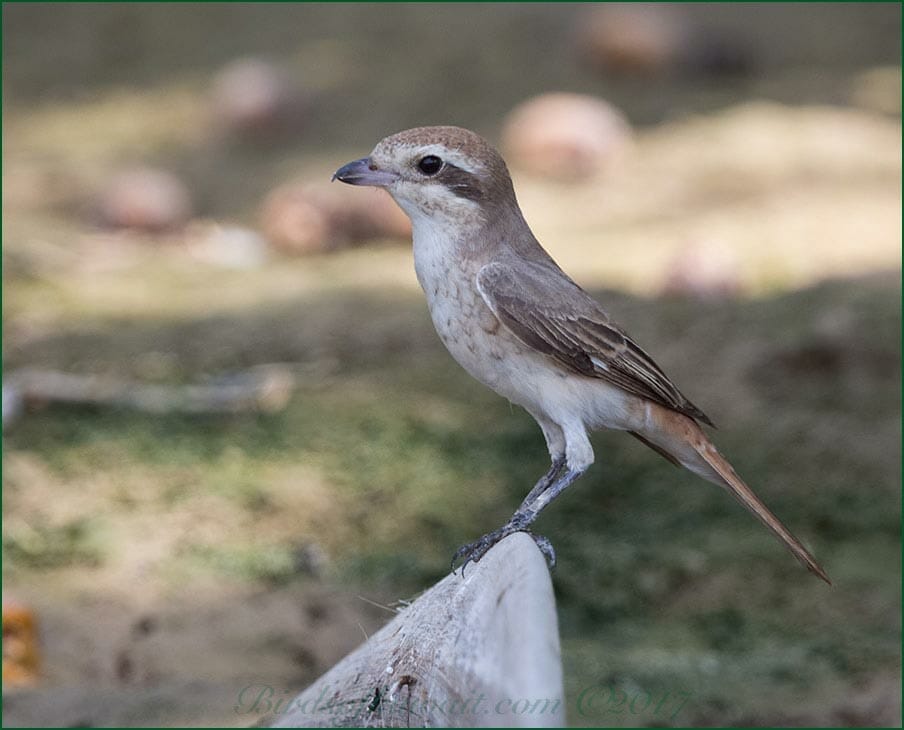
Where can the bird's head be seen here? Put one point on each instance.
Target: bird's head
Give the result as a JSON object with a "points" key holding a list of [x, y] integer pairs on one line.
{"points": [[436, 173]]}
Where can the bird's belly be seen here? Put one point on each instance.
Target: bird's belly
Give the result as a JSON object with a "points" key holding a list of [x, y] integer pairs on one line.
{"points": [[474, 337], [489, 352], [494, 356], [536, 382]]}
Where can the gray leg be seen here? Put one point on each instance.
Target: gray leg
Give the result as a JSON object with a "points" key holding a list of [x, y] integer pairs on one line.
{"points": [[545, 481], [520, 521], [529, 512]]}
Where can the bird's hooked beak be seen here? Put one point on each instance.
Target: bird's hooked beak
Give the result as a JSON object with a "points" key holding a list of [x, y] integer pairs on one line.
{"points": [[364, 172]]}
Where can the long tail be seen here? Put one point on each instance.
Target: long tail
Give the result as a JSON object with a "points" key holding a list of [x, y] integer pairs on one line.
{"points": [[746, 497], [680, 440]]}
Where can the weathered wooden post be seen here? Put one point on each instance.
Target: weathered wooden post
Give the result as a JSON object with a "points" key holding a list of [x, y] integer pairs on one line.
{"points": [[478, 650]]}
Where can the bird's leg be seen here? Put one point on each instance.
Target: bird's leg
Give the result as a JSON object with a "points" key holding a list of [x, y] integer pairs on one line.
{"points": [[557, 462], [519, 522], [545, 481], [548, 495]]}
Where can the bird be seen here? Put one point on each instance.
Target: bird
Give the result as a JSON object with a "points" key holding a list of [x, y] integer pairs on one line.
{"points": [[515, 321]]}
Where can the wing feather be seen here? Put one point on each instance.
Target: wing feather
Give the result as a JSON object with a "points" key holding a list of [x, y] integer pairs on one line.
{"points": [[547, 311]]}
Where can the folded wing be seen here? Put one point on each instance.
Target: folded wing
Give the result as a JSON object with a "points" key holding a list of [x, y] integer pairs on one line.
{"points": [[547, 311]]}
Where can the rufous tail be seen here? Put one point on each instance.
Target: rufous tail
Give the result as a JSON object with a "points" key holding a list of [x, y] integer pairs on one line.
{"points": [[746, 497]]}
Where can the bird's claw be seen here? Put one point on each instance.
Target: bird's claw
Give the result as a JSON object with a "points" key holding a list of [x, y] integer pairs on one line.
{"points": [[472, 552], [545, 547]]}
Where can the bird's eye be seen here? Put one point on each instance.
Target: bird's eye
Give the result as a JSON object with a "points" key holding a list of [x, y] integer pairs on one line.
{"points": [[430, 164]]}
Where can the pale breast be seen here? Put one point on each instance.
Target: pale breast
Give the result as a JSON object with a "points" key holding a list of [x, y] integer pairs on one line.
{"points": [[469, 330], [463, 321], [489, 352]]}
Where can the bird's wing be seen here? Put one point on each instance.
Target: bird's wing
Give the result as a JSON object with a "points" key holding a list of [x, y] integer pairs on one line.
{"points": [[547, 311]]}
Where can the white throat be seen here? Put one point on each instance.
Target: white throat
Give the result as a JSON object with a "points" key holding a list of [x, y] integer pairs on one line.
{"points": [[443, 250]]}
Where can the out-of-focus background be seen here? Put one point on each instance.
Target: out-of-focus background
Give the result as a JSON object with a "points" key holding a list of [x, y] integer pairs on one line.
{"points": [[233, 442]]}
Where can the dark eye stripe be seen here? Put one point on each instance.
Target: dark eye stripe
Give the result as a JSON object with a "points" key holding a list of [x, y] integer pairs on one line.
{"points": [[461, 182]]}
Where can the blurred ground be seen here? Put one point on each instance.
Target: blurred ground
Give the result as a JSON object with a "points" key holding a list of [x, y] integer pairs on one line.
{"points": [[174, 560]]}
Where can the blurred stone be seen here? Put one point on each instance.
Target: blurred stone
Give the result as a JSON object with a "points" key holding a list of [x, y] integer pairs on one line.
{"points": [[369, 216], [566, 136], [146, 199], [300, 218], [704, 270], [642, 38], [296, 221], [253, 100], [226, 245]]}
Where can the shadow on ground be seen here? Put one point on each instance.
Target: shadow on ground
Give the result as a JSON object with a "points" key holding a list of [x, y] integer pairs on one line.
{"points": [[389, 456]]}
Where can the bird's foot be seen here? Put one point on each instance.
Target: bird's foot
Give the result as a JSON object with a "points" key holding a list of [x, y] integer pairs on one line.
{"points": [[474, 551]]}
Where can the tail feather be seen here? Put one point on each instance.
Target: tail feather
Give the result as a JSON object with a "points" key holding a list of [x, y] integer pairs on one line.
{"points": [[748, 499]]}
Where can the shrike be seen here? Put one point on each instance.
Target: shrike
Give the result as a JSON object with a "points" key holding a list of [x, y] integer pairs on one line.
{"points": [[516, 322]]}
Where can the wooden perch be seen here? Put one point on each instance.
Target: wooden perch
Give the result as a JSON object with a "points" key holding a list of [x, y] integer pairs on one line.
{"points": [[264, 388], [479, 650]]}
